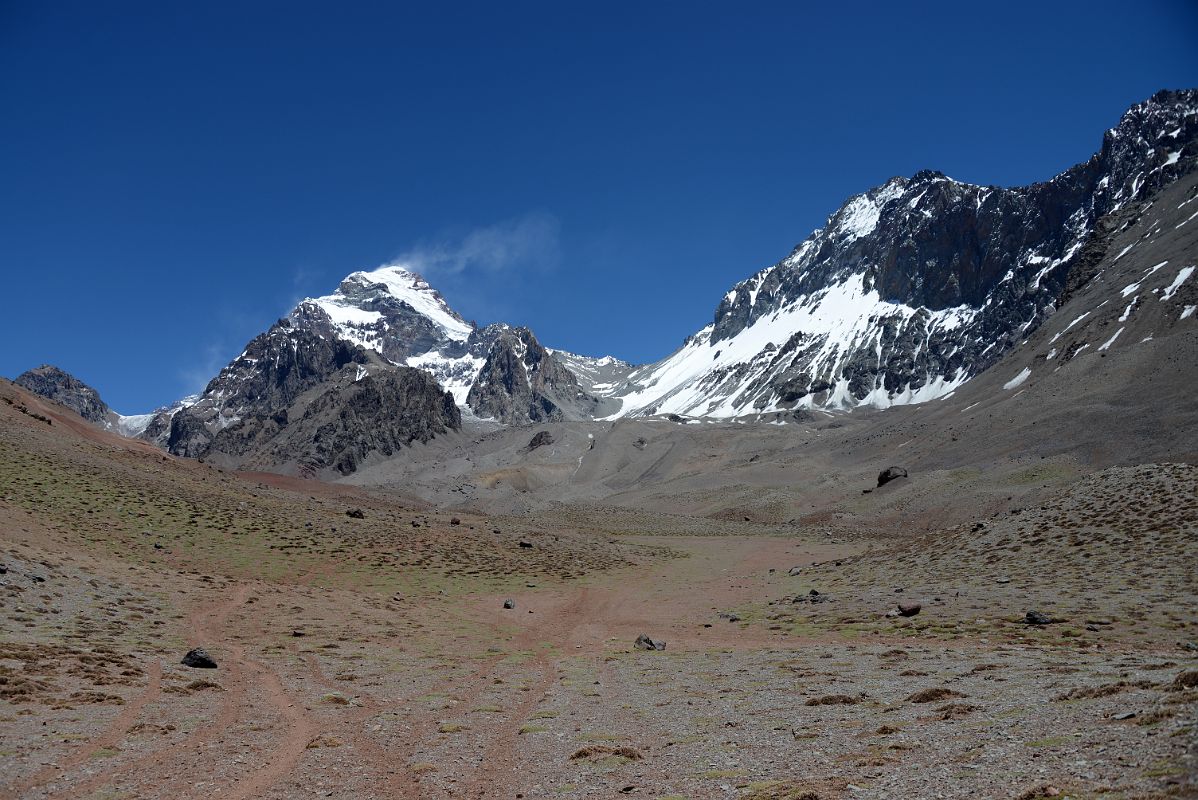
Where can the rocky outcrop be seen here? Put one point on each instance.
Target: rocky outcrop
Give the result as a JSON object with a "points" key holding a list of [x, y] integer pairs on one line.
{"points": [[296, 400], [342, 423], [270, 374], [521, 382], [65, 389]]}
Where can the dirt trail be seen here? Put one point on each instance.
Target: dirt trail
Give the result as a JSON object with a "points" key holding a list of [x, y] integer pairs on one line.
{"points": [[665, 601], [245, 681], [112, 735], [672, 598]]}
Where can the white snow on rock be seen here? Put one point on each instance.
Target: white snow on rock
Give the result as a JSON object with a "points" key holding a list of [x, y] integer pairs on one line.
{"points": [[454, 374], [1135, 287], [405, 286], [1018, 380], [1107, 344], [835, 320], [860, 216], [133, 425], [1182, 276]]}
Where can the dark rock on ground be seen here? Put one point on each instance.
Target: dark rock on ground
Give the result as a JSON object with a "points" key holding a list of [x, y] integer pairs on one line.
{"points": [[908, 609], [198, 659], [1037, 618], [643, 642], [509, 604], [889, 474], [355, 513], [542, 439]]}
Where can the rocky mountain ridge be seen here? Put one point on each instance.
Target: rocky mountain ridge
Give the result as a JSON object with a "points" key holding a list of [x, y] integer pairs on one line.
{"points": [[919, 284], [911, 289], [65, 389]]}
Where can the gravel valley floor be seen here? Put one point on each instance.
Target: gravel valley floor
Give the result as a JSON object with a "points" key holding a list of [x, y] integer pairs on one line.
{"points": [[371, 655]]}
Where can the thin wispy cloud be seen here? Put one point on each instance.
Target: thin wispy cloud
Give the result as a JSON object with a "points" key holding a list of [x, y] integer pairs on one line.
{"points": [[195, 376], [526, 243]]}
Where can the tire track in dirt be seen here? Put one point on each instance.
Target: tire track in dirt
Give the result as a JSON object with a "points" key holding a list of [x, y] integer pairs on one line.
{"points": [[399, 781], [112, 735], [498, 774], [392, 779], [201, 626], [500, 756], [300, 727]]}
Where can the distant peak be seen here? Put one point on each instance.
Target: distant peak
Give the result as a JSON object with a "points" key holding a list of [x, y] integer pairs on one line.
{"points": [[389, 274], [929, 176]]}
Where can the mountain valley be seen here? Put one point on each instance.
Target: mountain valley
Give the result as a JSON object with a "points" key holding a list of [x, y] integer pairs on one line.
{"points": [[915, 515]]}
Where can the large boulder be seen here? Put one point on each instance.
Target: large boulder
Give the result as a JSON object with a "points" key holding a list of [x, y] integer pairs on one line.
{"points": [[198, 658]]}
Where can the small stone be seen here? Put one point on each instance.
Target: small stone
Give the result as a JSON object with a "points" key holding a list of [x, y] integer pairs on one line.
{"points": [[454, 521], [526, 544], [355, 513], [297, 633], [909, 609], [1124, 715], [198, 658], [643, 642], [793, 571], [509, 604], [1003, 579]]}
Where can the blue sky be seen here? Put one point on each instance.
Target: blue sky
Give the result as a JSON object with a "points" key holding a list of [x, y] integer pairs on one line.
{"points": [[174, 176]]}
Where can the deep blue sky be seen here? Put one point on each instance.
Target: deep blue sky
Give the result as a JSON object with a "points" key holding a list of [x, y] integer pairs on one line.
{"points": [[173, 176]]}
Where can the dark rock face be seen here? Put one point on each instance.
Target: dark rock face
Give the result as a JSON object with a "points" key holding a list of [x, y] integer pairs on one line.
{"points": [[521, 383], [301, 401], [889, 474], [343, 422], [65, 389], [275, 369], [930, 280]]}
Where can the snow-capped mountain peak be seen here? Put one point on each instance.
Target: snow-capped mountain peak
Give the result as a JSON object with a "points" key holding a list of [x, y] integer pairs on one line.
{"points": [[368, 304]]}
